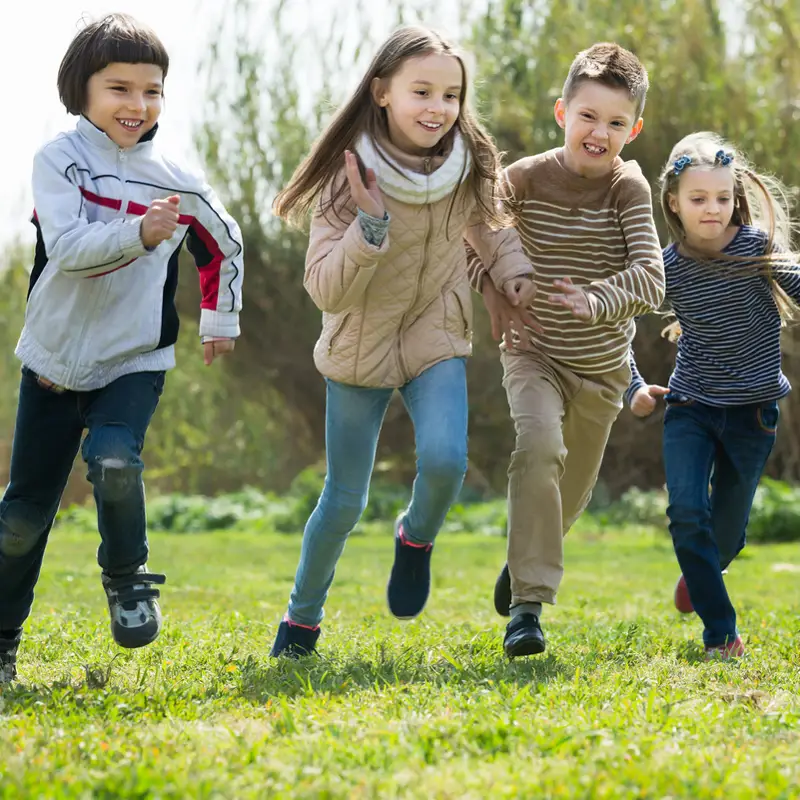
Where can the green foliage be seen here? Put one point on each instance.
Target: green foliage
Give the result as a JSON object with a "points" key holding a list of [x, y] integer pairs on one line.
{"points": [[776, 513], [775, 517], [636, 507]]}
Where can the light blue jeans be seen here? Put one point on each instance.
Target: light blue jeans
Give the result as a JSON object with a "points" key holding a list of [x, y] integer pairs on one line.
{"points": [[436, 400]]}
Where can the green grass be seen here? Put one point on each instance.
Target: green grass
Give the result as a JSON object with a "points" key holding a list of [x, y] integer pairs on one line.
{"points": [[621, 705]]}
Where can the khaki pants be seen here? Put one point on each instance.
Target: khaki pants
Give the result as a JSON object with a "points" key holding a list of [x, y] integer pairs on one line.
{"points": [[562, 422]]}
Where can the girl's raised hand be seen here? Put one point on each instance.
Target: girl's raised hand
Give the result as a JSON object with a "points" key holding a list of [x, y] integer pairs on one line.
{"points": [[368, 198]]}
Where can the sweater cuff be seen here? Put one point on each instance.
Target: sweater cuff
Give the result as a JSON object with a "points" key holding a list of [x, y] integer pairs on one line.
{"points": [[374, 229], [596, 305]]}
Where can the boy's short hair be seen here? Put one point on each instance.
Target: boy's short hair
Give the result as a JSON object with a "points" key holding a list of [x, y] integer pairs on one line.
{"points": [[610, 65], [114, 38]]}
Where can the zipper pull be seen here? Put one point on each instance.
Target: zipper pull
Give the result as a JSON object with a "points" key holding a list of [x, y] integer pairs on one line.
{"points": [[426, 162]]}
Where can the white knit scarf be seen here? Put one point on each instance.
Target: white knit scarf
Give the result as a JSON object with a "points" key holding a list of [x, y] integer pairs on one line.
{"points": [[413, 187]]}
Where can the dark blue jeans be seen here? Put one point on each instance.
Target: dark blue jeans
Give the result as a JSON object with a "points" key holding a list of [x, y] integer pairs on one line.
{"points": [[47, 437], [713, 458]]}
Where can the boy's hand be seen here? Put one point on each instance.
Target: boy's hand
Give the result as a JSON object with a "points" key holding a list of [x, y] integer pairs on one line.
{"points": [[216, 347], [573, 298], [506, 318], [520, 291], [368, 198], [160, 221], [643, 402]]}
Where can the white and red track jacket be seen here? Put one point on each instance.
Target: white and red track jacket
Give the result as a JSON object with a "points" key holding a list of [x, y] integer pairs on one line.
{"points": [[100, 305]]}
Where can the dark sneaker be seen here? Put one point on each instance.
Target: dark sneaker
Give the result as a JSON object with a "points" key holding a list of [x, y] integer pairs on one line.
{"points": [[133, 606], [294, 641], [726, 652], [524, 636], [682, 600], [410, 579], [502, 593], [8, 658]]}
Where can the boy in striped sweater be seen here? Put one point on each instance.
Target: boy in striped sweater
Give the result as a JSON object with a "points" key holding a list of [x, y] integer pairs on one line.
{"points": [[586, 222]]}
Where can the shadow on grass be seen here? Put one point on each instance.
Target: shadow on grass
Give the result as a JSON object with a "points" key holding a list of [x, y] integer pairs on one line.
{"points": [[480, 663]]}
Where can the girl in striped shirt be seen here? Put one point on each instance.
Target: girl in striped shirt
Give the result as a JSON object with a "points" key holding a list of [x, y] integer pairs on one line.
{"points": [[732, 281]]}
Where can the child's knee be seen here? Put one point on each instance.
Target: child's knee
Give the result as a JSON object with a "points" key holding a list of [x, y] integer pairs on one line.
{"points": [[21, 526], [341, 508], [539, 445], [445, 463], [688, 522], [114, 467]]}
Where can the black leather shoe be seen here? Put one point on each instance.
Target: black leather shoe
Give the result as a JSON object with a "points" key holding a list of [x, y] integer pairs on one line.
{"points": [[524, 636]]}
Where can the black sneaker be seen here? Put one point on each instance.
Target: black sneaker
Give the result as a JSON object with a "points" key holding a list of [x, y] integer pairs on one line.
{"points": [[8, 657], [410, 579], [294, 641], [524, 636], [502, 593], [133, 606]]}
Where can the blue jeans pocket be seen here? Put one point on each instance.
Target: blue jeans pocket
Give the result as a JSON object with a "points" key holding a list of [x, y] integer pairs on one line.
{"points": [[767, 416]]}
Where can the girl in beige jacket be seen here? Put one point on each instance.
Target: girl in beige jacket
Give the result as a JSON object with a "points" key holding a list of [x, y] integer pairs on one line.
{"points": [[401, 177]]}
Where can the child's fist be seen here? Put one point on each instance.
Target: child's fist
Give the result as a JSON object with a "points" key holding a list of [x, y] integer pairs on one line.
{"points": [[160, 221], [643, 402], [214, 348]]}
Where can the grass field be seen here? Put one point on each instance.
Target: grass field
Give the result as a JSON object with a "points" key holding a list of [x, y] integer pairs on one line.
{"points": [[621, 705]]}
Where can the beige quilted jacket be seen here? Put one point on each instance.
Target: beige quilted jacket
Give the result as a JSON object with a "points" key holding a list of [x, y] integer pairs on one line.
{"points": [[391, 312]]}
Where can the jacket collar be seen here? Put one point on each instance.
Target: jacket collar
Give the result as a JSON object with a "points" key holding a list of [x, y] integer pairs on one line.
{"points": [[89, 131]]}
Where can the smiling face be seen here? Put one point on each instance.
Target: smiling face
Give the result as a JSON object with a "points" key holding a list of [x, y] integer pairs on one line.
{"points": [[704, 204], [422, 101], [598, 121], [124, 101]]}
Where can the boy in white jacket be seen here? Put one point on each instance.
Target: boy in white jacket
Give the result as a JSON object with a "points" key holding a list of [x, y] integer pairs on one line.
{"points": [[111, 214]]}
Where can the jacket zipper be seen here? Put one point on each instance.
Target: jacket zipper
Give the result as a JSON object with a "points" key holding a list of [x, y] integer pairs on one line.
{"points": [[121, 156], [339, 330], [403, 363]]}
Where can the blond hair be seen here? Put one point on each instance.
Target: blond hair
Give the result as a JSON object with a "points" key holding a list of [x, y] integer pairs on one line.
{"points": [[759, 200]]}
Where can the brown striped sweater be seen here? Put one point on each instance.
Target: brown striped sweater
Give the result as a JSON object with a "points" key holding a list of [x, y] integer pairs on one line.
{"points": [[599, 232]]}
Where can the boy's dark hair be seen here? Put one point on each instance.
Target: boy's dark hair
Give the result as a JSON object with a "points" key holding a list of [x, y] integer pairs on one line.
{"points": [[610, 65], [114, 38]]}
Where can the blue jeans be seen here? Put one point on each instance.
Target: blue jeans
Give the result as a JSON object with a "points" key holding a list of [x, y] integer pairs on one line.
{"points": [[47, 438], [437, 403], [726, 449]]}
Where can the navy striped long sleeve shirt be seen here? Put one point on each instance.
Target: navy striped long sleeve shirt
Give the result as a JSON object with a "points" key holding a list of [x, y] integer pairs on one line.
{"points": [[729, 350]]}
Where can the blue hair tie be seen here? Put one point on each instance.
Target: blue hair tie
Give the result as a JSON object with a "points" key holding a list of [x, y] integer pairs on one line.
{"points": [[723, 158], [681, 164]]}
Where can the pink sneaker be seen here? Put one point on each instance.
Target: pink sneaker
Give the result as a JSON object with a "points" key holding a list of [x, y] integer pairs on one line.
{"points": [[682, 600], [725, 652]]}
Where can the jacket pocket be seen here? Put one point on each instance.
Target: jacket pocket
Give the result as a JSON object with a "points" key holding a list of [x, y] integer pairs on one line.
{"points": [[338, 331], [464, 316], [457, 316]]}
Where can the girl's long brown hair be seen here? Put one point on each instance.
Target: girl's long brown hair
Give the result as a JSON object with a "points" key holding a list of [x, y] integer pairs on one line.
{"points": [[361, 114], [759, 200]]}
